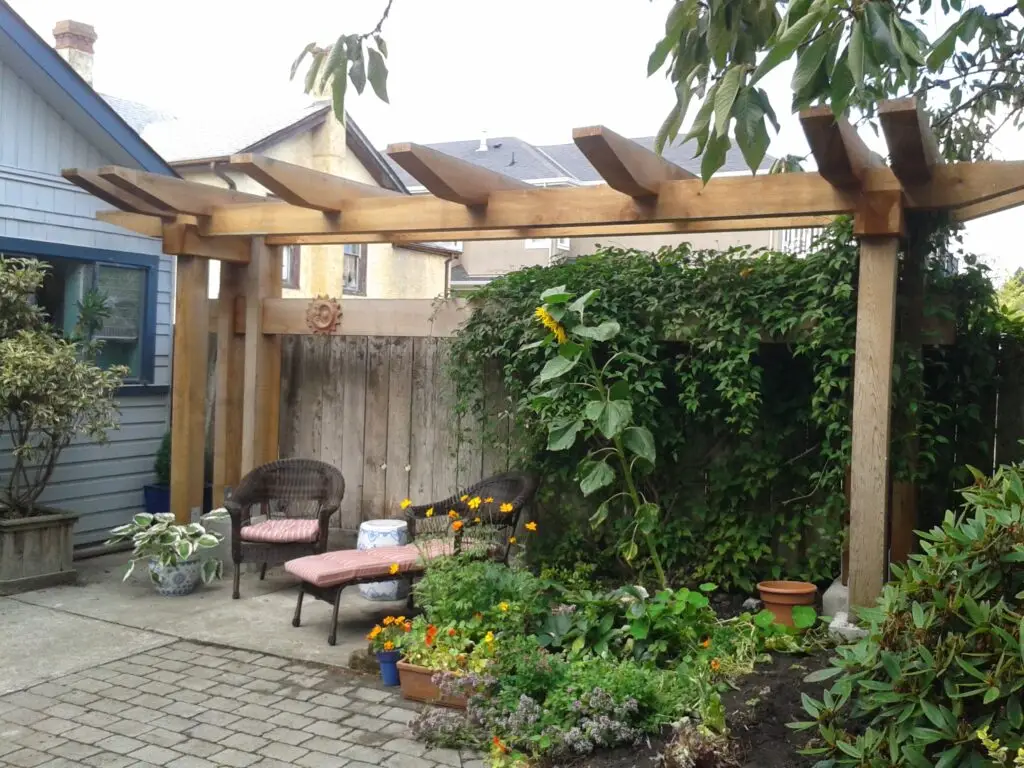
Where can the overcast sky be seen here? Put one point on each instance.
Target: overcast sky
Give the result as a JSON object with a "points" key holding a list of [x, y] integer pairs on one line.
{"points": [[528, 68]]}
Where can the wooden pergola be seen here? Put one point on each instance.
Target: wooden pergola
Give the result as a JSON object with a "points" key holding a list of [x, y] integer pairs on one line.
{"points": [[644, 194]]}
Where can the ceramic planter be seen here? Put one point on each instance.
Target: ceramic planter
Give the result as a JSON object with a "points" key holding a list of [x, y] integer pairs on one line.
{"points": [[418, 686], [779, 597], [388, 661], [36, 552], [176, 580]]}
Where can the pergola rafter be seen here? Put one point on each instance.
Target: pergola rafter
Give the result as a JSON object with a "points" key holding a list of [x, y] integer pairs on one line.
{"points": [[644, 194]]}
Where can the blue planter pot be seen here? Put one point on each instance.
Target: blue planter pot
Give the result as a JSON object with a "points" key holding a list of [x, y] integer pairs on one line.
{"points": [[176, 580], [158, 498], [388, 661]]}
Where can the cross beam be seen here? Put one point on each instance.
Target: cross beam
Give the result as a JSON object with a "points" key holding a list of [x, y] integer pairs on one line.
{"points": [[627, 166]]}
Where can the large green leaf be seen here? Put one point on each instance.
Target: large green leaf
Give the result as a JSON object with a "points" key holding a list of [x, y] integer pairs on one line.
{"points": [[790, 40], [856, 53], [609, 329], [647, 516], [640, 442], [556, 295], [596, 475], [725, 97], [378, 74], [809, 60], [714, 156], [357, 74], [562, 434], [615, 416], [556, 366], [876, 17]]}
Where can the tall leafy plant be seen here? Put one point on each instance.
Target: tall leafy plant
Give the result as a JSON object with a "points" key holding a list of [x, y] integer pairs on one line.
{"points": [[596, 408], [50, 388]]}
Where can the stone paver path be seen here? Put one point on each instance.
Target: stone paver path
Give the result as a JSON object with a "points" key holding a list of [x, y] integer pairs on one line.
{"points": [[185, 705]]}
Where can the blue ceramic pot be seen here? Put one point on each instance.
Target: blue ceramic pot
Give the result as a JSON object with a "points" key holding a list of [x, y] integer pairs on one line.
{"points": [[388, 661]]}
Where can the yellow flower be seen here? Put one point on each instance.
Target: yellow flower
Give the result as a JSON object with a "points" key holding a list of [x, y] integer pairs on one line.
{"points": [[511, 539], [389, 646], [488, 500], [406, 503], [476, 520], [551, 324], [388, 620], [473, 503], [503, 606], [489, 638], [506, 507], [430, 512], [400, 620], [393, 569], [374, 632], [453, 514], [463, 497], [531, 526]]}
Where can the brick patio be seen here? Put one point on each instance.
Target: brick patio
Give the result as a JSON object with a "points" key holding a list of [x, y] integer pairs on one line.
{"points": [[191, 705]]}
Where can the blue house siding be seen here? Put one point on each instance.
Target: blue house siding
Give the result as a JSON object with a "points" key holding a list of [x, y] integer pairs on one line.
{"points": [[41, 214]]}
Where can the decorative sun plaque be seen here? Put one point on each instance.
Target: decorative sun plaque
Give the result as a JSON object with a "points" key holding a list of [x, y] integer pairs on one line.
{"points": [[323, 314]]}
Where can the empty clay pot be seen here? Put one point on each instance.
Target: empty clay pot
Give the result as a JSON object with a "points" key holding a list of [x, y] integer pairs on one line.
{"points": [[779, 597]]}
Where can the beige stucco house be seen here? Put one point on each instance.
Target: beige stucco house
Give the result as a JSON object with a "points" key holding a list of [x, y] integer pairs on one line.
{"points": [[313, 138]]}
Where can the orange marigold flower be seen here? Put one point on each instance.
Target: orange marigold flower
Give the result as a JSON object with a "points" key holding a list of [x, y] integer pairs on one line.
{"points": [[429, 512], [715, 665], [407, 626], [389, 646], [506, 507], [531, 526], [388, 620], [457, 525], [393, 569], [374, 632], [706, 643], [499, 745], [453, 514], [451, 632], [406, 503]]}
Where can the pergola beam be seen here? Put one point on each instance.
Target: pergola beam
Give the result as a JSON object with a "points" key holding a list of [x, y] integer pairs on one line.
{"points": [[303, 186], [185, 240], [625, 165], [91, 182], [988, 207], [843, 158], [913, 151], [171, 193], [450, 178]]}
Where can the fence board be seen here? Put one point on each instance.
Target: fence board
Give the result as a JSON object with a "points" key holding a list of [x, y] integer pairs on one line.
{"points": [[446, 427], [422, 440], [291, 377], [375, 435], [353, 425], [332, 422], [399, 424], [495, 425], [310, 398]]}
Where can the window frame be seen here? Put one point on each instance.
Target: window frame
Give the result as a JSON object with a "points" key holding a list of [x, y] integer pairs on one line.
{"points": [[291, 257], [538, 244], [360, 269], [150, 264]]}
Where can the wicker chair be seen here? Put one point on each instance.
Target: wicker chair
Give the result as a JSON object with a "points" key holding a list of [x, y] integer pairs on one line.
{"points": [[324, 576], [288, 532]]}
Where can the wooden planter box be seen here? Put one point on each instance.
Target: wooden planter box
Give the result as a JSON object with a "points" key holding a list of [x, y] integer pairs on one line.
{"points": [[416, 686], [36, 552]]}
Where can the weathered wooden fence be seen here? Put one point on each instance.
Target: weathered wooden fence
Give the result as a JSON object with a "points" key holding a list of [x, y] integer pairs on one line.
{"points": [[382, 408]]}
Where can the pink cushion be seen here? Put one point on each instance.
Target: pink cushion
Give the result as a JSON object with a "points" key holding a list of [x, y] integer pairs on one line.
{"points": [[347, 565], [293, 531]]}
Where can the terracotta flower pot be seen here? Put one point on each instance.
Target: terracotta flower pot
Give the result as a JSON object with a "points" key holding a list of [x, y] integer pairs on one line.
{"points": [[779, 597], [418, 686]]}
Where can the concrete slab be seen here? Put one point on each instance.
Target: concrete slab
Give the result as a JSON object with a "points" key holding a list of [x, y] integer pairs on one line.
{"points": [[259, 621], [40, 644]]}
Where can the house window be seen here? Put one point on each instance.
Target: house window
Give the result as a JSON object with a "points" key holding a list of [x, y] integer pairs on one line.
{"points": [[123, 287], [544, 243], [562, 243], [354, 270], [291, 266]]}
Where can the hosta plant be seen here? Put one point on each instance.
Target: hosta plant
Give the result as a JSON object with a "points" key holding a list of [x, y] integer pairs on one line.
{"points": [[944, 659], [157, 538]]}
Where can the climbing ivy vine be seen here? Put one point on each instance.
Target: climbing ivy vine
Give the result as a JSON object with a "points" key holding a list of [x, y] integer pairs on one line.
{"points": [[741, 366]]}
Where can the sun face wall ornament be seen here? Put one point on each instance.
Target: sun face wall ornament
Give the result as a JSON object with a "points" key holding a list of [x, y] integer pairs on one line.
{"points": [[323, 315]]}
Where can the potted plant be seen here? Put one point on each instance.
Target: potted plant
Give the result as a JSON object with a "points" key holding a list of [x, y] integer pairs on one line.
{"points": [[431, 651], [158, 496], [780, 597], [51, 391], [171, 550], [386, 640]]}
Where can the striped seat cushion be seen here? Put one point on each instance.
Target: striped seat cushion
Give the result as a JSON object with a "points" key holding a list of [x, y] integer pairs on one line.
{"points": [[347, 565], [293, 531]]}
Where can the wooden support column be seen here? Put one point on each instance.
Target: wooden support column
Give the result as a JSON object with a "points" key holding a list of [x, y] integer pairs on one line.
{"points": [[261, 380], [188, 400], [878, 224], [227, 444]]}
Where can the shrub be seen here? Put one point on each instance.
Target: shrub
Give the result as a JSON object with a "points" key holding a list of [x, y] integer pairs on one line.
{"points": [[944, 658]]}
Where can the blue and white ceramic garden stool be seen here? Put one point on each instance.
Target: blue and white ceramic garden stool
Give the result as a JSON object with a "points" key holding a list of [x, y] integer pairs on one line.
{"points": [[383, 533]]}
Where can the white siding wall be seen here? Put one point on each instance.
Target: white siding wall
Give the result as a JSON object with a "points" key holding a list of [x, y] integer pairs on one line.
{"points": [[102, 482]]}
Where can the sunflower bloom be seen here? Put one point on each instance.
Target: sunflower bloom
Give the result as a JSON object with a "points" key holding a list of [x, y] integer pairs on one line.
{"points": [[393, 569], [406, 503], [389, 646], [457, 525], [715, 665], [551, 324], [506, 507], [429, 512], [503, 606], [531, 526]]}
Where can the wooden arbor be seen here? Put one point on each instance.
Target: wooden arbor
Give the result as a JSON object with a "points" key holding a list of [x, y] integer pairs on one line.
{"points": [[645, 194]]}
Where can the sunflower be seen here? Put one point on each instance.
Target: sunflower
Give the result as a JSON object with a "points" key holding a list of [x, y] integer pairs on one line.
{"points": [[551, 324]]}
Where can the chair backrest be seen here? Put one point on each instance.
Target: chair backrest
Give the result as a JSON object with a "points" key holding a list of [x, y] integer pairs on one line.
{"points": [[290, 480]]}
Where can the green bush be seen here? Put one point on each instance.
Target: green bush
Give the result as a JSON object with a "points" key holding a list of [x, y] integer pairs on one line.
{"points": [[945, 657]]}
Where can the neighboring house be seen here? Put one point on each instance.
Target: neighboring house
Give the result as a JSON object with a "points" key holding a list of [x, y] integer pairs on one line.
{"points": [[50, 119], [312, 138], [565, 165]]}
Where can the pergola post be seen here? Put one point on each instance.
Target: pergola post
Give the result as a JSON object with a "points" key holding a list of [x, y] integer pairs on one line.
{"points": [[878, 224], [261, 377], [189, 378], [227, 447]]}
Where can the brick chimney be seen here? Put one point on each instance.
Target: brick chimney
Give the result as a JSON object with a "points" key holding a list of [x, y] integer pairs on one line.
{"points": [[73, 41]]}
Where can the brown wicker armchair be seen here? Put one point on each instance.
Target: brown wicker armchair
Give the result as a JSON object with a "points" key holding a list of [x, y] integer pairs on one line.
{"points": [[291, 529]]}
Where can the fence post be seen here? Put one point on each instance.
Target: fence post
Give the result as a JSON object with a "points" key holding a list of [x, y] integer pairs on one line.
{"points": [[229, 371]]}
